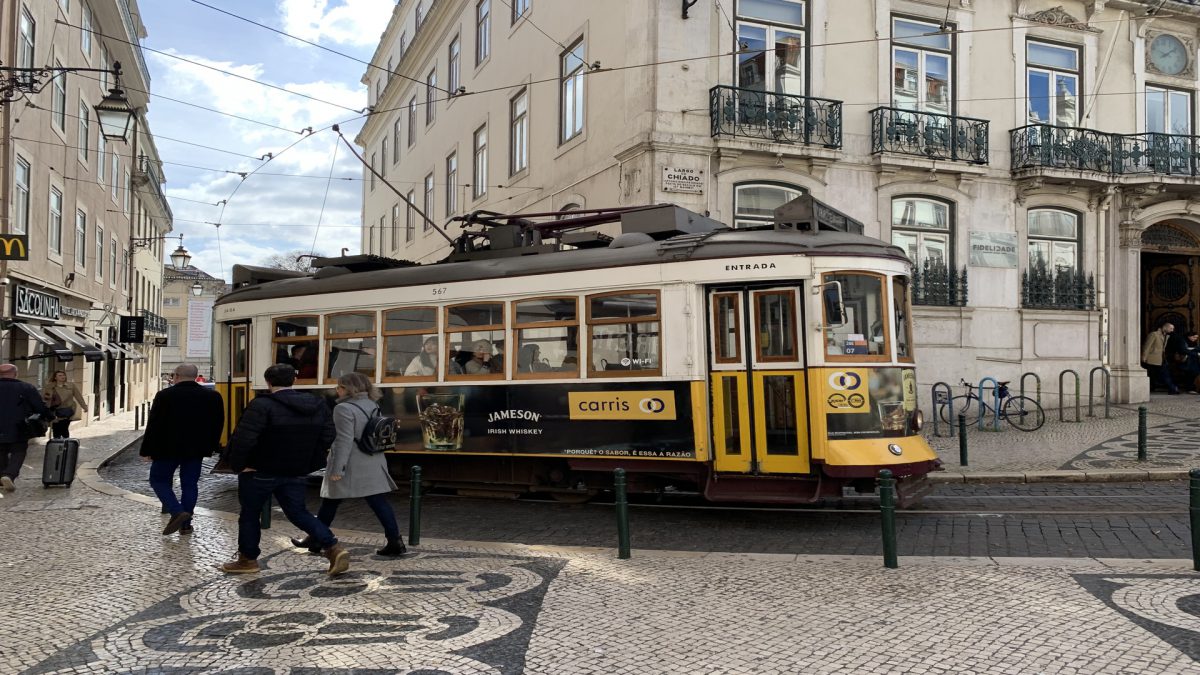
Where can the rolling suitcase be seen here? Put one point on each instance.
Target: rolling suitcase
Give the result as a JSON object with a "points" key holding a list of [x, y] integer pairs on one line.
{"points": [[58, 468]]}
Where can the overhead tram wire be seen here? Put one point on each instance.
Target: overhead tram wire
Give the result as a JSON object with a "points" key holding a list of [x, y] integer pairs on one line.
{"points": [[328, 184], [530, 22]]}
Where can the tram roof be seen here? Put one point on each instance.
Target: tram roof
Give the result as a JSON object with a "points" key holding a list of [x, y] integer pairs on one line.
{"points": [[721, 243]]}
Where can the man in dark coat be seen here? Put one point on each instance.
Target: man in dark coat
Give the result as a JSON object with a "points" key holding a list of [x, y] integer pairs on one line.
{"points": [[18, 400], [183, 427], [281, 437]]}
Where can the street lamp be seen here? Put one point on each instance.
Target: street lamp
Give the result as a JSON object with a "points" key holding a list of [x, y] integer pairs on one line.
{"points": [[114, 110], [197, 289], [179, 257]]}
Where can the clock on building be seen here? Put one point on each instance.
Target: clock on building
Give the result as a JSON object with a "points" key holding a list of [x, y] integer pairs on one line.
{"points": [[1169, 55]]}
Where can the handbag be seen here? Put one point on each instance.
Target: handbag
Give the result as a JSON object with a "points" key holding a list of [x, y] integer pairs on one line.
{"points": [[35, 426], [64, 413]]}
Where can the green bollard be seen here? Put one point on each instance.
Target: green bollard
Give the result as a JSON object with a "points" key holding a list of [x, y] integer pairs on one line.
{"points": [[414, 507], [962, 440], [622, 514], [1141, 433], [1194, 508], [887, 513], [264, 520]]}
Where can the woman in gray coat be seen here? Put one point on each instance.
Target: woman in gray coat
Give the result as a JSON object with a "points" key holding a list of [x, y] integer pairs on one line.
{"points": [[351, 473]]}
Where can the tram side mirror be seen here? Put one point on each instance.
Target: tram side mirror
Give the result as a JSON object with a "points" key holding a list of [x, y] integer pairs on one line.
{"points": [[835, 309]]}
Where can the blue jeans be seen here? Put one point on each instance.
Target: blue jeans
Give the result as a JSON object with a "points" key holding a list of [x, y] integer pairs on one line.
{"points": [[379, 504], [254, 489], [1164, 376], [162, 475]]}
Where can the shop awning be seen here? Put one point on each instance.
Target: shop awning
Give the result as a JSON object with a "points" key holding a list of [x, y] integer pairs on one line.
{"points": [[68, 335], [124, 352], [95, 343], [60, 350]]}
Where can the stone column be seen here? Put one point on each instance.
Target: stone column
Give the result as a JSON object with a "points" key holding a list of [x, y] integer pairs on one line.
{"points": [[1130, 384]]}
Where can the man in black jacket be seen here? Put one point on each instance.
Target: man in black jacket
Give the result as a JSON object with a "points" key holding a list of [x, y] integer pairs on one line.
{"points": [[18, 400], [184, 427], [281, 437]]}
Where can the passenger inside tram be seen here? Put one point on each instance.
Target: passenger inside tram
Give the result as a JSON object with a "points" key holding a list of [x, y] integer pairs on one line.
{"points": [[483, 359], [425, 363]]}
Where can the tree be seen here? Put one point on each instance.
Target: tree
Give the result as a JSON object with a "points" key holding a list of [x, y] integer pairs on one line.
{"points": [[288, 261]]}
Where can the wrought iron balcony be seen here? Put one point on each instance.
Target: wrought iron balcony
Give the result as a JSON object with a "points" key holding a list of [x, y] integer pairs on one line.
{"points": [[775, 117], [1161, 154], [931, 135], [1048, 146], [1064, 288], [154, 322], [938, 285]]}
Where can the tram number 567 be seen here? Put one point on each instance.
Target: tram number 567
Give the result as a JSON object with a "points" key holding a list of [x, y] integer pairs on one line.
{"points": [[439, 291]]}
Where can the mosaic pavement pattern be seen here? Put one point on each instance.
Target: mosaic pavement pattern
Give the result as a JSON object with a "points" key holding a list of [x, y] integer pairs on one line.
{"points": [[1168, 606], [1174, 445], [428, 613]]}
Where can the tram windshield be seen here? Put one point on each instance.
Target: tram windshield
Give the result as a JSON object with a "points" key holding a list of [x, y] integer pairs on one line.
{"points": [[863, 331]]}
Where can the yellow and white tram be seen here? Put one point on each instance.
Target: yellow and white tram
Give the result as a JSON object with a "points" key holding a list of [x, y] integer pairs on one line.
{"points": [[759, 365]]}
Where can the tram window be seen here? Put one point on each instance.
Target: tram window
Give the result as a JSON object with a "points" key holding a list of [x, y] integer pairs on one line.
{"points": [[475, 333], [239, 352], [296, 342], [863, 336], [775, 325], [350, 341], [900, 318], [547, 332], [624, 333], [411, 344], [727, 327]]}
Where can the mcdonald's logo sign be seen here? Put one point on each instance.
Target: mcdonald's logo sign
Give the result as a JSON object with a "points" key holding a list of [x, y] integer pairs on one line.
{"points": [[14, 247]]}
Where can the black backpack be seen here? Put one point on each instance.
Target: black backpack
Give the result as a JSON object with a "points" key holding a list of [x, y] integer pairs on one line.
{"points": [[378, 434]]}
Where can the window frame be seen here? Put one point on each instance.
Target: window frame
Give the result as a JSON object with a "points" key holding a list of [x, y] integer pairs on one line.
{"points": [[26, 47], [1077, 240], [454, 64], [740, 220], [397, 137], [430, 88], [483, 31], [236, 331], [518, 133], [906, 281], [100, 241], [922, 51], [479, 162], [54, 233], [951, 224], [885, 311], [571, 85], [81, 239], [410, 227], [371, 166], [327, 338], [592, 323], [1052, 72], [770, 76], [427, 203], [58, 100], [276, 340], [1167, 92], [383, 153], [451, 183], [519, 9], [22, 195], [718, 324], [87, 23], [515, 347], [447, 331], [384, 334], [85, 133], [412, 121], [394, 233], [755, 333]]}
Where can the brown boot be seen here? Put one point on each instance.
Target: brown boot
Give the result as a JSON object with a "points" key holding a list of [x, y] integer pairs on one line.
{"points": [[339, 560], [240, 564]]}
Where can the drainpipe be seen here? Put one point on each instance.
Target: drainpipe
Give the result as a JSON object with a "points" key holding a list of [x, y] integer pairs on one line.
{"points": [[1106, 221], [6, 174]]}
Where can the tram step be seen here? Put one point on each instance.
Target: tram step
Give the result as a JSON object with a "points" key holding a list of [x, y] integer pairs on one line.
{"points": [[765, 489]]}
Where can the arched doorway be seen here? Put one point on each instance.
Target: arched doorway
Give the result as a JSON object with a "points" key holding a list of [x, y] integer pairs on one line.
{"points": [[1171, 276]]}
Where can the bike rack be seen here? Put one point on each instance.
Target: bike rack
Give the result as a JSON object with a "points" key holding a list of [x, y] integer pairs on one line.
{"points": [[947, 401], [1091, 396], [1061, 390], [995, 407], [1035, 379]]}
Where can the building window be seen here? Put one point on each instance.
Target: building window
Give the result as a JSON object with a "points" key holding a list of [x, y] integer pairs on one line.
{"points": [[382, 232], [26, 40], [519, 133], [454, 74], [84, 131], [395, 233], [112, 262], [1052, 78], [412, 120], [1053, 240], [21, 180], [80, 239], [1168, 111], [383, 153], [172, 334], [56, 207], [396, 139], [102, 159], [483, 30], [430, 95], [519, 8], [427, 204], [372, 171], [125, 201], [410, 228], [58, 100], [571, 71], [389, 70], [754, 204], [479, 180], [85, 30], [923, 228], [403, 43], [771, 41], [99, 251], [66, 6], [922, 61], [105, 62], [451, 184], [420, 14], [116, 168]]}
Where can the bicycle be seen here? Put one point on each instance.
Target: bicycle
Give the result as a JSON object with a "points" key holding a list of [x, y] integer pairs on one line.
{"points": [[1022, 412]]}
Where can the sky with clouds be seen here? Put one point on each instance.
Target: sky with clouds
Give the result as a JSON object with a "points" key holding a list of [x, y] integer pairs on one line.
{"points": [[277, 208]]}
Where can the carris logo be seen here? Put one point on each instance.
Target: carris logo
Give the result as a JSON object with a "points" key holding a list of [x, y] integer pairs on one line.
{"points": [[652, 406], [843, 381]]}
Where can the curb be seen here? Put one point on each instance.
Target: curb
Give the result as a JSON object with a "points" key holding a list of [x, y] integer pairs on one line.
{"points": [[1109, 476]]}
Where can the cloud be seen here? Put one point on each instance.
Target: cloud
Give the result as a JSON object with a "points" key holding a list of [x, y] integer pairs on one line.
{"points": [[351, 22]]}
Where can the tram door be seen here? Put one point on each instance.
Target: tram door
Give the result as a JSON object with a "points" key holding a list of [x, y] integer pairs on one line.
{"points": [[238, 384], [756, 368]]}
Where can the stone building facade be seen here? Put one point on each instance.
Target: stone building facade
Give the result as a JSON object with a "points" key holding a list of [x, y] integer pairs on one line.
{"points": [[1036, 158], [93, 210], [188, 297]]}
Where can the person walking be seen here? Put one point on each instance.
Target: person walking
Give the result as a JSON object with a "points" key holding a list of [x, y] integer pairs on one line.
{"points": [[351, 473], [1189, 362], [65, 402], [183, 427], [1154, 355], [18, 401], [282, 436]]}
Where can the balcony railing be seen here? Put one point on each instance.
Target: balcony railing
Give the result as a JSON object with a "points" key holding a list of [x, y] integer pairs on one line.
{"points": [[936, 284], [154, 322], [1064, 288], [931, 135], [149, 169], [1046, 146], [775, 117], [134, 42]]}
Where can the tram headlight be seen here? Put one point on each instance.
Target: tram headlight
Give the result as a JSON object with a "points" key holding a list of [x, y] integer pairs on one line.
{"points": [[918, 420]]}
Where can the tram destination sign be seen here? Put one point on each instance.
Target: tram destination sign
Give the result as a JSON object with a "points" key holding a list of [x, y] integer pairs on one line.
{"points": [[675, 179], [31, 304]]}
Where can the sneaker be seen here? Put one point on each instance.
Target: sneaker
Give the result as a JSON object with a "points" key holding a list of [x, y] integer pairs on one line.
{"points": [[240, 564], [186, 528], [339, 560], [6, 484], [177, 522]]}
